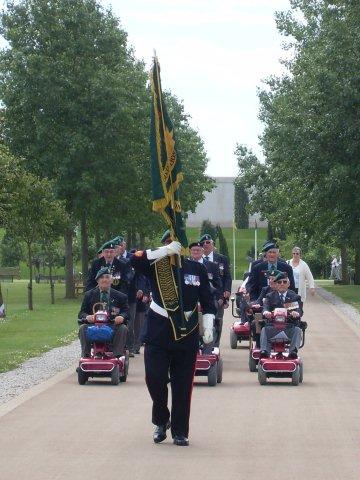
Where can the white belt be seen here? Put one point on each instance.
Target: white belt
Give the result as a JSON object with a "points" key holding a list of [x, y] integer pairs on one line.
{"points": [[157, 309]]}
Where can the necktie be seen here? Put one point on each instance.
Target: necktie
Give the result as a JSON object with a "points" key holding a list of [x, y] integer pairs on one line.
{"points": [[283, 297], [104, 298], [206, 258]]}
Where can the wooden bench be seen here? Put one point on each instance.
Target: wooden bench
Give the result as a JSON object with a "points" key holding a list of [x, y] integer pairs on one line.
{"points": [[79, 288], [9, 273]]}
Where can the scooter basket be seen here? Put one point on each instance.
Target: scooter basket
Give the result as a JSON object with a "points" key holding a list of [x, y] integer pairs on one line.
{"points": [[102, 333]]}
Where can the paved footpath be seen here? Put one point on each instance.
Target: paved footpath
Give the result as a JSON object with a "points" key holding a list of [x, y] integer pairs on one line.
{"points": [[239, 429]]}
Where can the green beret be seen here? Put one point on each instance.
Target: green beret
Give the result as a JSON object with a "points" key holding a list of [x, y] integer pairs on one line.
{"points": [[100, 249], [195, 244], [118, 240], [166, 236], [101, 272], [109, 244], [268, 246], [280, 276], [206, 236], [272, 273]]}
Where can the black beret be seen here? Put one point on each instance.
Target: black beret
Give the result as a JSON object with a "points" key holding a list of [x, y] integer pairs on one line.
{"points": [[206, 236], [166, 236], [101, 272], [268, 246], [195, 244], [280, 276]]}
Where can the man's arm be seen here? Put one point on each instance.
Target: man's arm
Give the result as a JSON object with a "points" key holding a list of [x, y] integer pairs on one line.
{"points": [[205, 296]]}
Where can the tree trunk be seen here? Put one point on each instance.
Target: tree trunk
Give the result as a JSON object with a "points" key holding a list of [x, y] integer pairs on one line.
{"points": [[30, 284], [69, 265], [52, 286], [84, 248], [141, 241], [357, 264], [344, 265]]}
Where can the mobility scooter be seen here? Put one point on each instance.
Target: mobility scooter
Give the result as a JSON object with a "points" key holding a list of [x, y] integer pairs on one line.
{"points": [[278, 364], [240, 329], [102, 362]]}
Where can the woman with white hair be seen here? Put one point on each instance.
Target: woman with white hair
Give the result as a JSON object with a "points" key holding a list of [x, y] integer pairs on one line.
{"points": [[302, 274]]}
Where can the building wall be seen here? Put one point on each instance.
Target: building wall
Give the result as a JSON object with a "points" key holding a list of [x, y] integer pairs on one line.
{"points": [[218, 207]]}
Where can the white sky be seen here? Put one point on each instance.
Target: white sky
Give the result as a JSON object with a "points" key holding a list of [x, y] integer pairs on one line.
{"points": [[213, 55]]}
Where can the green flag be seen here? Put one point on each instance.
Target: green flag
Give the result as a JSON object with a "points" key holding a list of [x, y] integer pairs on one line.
{"points": [[166, 171]]}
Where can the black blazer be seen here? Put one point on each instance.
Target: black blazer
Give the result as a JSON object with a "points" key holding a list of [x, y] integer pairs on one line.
{"points": [[119, 268], [258, 280], [224, 268], [273, 300], [118, 304]]}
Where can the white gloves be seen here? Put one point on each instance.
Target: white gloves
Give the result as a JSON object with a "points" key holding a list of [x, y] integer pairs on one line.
{"points": [[208, 323], [174, 248]]}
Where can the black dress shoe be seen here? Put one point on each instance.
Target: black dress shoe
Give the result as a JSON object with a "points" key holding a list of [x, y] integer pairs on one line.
{"points": [[181, 441], [131, 354], [160, 432], [264, 354]]}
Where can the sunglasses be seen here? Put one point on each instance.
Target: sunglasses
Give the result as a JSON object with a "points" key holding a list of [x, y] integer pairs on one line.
{"points": [[281, 281], [295, 253], [206, 242]]}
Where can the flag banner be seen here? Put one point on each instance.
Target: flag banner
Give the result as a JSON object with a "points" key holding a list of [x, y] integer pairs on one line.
{"points": [[166, 171]]}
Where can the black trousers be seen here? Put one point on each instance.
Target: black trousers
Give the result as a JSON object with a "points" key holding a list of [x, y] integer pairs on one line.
{"points": [[174, 363]]}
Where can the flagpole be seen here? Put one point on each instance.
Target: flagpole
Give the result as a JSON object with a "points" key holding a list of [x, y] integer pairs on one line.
{"points": [[234, 250]]}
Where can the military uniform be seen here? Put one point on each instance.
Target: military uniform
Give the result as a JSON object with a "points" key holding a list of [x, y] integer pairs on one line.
{"points": [[166, 353], [225, 274], [119, 269], [116, 304]]}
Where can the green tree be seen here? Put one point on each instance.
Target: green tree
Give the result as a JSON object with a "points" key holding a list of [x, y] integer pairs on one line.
{"points": [[208, 227], [70, 86], [33, 215], [11, 251], [223, 246]]}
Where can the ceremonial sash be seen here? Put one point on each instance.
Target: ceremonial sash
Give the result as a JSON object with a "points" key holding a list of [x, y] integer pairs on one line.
{"points": [[170, 298]]}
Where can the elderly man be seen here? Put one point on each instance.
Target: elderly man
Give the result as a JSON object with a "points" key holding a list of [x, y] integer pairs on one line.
{"points": [[258, 275], [115, 303], [224, 267], [282, 297], [119, 269]]}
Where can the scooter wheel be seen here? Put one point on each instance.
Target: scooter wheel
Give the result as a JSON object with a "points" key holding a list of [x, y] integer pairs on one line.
{"points": [[82, 377], [219, 370], [295, 378], [301, 367], [115, 376], [233, 340], [123, 378], [212, 376], [252, 363], [262, 377]]}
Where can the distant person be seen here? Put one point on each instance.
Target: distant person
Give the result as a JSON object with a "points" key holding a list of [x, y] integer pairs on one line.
{"points": [[334, 275], [302, 274]]}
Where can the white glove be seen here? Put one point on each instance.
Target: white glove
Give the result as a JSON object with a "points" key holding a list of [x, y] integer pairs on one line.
{"points": [[208, 323], [174, 248]]}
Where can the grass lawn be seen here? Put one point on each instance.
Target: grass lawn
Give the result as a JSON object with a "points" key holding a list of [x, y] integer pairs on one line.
{"points": [[25, 334], [244, 239], [348, 293]]}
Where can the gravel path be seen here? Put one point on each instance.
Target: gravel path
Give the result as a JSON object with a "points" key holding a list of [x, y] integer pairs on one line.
{"points": [[36, 370]]}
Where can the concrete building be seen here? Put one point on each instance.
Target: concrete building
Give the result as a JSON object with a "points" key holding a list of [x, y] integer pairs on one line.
{"points": [[218, 207]]}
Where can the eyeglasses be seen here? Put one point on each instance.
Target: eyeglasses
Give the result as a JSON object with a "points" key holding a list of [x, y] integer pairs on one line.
{"points": [[282, 281], [295, 253]]}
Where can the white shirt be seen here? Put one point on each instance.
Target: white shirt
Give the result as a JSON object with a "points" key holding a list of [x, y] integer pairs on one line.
{"points": [[210, 256], [296, 273]]}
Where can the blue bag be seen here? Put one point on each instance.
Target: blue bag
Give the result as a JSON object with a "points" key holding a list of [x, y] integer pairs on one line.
{"points": [[103, 333]]}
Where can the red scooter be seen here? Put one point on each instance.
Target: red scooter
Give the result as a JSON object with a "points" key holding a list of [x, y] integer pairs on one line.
{"points": [[240, 329], [102, 362], [278, 364]]}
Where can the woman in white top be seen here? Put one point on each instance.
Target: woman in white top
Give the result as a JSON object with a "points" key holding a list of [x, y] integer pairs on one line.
{"points": [[302, 274]]}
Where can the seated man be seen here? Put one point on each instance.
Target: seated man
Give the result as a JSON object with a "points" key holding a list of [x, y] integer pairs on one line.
{"points": [[282, 297], [117, 306]]}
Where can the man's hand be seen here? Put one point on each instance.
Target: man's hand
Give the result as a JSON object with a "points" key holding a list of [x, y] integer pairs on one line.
{"points": [[118, 320], [295, 314], [174, 248], [139, 294], [145, 299], [226, 294], [220, 302], [267, 315], [90, 318], [256, 305]]}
